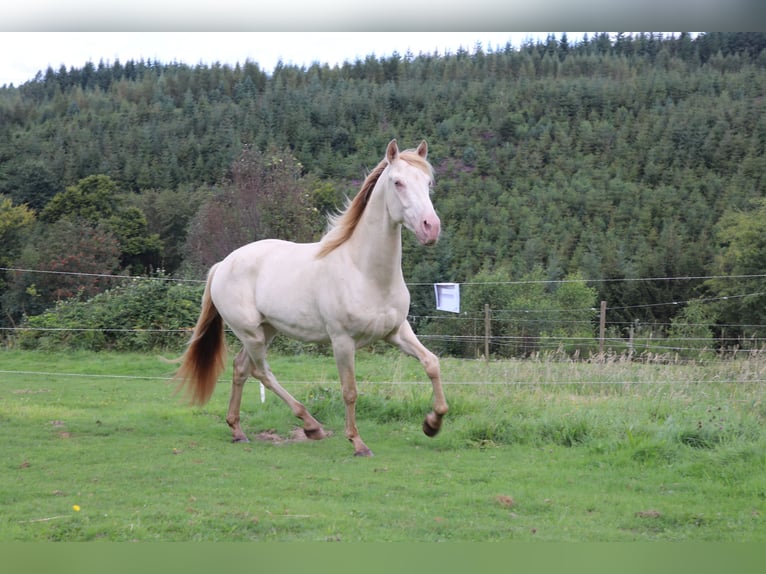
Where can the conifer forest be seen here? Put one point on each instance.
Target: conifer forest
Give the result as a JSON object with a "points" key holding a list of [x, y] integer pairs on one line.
{"points": [[626, 168]]}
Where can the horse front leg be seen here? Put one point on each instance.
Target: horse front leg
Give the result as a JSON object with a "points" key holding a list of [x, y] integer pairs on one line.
{"points": [[406, 340], [344, 350]]}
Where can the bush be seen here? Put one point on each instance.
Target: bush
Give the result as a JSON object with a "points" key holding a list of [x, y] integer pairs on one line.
{"points": [[528, 316], [140, 315]]}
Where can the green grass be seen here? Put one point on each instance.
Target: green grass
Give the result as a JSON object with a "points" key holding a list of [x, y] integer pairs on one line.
{"points": [[569, 452]]}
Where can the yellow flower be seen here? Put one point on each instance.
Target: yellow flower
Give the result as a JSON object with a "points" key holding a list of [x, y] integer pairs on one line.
{"points": [[76, 508]]}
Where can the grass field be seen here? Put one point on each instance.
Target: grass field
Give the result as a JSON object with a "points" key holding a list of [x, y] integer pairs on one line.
{"points": [[97, 447]]}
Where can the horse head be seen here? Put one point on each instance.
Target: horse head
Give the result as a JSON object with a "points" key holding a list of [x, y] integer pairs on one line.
{"points": [[409, 178]]}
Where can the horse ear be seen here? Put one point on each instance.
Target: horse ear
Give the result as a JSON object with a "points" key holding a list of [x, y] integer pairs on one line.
{"points": [[392, 151], [423, 149]]}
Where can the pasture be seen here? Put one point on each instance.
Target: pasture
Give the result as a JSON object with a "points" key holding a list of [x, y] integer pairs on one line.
{"points": [[98, 447]]}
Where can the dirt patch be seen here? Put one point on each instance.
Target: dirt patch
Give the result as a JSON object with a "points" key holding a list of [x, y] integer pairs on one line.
{"points": [[649, 513], [272, 436]]}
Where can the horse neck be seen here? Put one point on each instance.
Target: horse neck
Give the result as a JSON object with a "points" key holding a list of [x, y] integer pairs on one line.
{"points": [[376, 245]]}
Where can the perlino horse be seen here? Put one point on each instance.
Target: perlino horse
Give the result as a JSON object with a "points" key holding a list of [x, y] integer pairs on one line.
{"points": [[347, 289]]}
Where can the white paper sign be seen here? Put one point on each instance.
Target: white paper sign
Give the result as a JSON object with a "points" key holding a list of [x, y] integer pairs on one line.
{"points": [[447, 297]]}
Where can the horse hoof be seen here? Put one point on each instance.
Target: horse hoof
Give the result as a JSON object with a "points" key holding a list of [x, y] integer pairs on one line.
{"points": [[430, 430], [240, 439], [366, 452], [315, 434]]}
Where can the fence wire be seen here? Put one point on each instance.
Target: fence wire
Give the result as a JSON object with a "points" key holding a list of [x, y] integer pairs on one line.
{"points": [[514, 332]]}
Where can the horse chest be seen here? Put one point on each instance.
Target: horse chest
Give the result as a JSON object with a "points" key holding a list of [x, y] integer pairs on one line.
{"points": [[372, 318], [367, 316], [378, 322]]}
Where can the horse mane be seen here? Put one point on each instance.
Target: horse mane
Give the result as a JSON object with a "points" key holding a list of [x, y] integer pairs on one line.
{"points": [[342, 225]]}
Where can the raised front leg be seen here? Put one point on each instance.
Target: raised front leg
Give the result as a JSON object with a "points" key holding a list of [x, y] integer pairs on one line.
{"points": [[344, 350], [406, 340]]}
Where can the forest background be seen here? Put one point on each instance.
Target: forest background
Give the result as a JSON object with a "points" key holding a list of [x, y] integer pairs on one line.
{"points": [[626, 169]]}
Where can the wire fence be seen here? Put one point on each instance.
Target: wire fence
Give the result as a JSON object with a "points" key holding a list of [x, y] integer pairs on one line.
{"points": [[541, 334], [516, 332], [507, 383]]}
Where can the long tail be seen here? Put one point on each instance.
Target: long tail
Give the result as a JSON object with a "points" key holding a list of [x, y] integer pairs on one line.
{"points": [[203, 361]]}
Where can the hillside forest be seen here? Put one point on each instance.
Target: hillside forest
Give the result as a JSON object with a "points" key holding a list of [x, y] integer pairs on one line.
{"points": [[627, 169]]}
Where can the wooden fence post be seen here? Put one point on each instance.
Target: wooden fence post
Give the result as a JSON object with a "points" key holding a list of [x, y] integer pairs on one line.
{"points": [[602, 330], [487, 331]]}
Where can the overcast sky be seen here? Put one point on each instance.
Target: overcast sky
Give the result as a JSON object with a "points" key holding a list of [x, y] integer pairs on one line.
{"points": [[26, 53], [36, 34]]}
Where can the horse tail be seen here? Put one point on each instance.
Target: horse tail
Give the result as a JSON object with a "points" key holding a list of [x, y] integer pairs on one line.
{"points": [[203, 361]]}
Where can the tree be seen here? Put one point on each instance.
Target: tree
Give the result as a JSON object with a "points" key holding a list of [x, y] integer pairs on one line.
{"points": [[28, 181], [95, 201], [72, 259], [691, 330], [92, 199], [141, 250], [267, 197], [168, 213], [741, 301], [575, 310], [14, 219]]}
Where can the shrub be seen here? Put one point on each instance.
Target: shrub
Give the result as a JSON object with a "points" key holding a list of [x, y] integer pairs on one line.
{"points": [[139, 315], [528, 316]]}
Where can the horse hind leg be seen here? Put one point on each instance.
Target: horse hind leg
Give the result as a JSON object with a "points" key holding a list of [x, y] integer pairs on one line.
{"points": [[242, 369], [311, 427], [244, 366], [259, 368]]}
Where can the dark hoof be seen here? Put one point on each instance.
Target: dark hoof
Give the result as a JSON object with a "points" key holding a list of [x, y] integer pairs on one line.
{"points": [[430, 429], [316, 434], [240, 439]]}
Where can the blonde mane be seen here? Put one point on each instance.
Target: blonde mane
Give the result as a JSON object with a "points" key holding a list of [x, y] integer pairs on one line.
{"points": [[342, 225]]}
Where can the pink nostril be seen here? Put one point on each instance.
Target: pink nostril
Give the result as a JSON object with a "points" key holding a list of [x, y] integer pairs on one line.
{"points": [[431, 228]]}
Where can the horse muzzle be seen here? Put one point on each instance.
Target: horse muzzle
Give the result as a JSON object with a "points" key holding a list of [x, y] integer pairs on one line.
{"points": [[428, 230]]}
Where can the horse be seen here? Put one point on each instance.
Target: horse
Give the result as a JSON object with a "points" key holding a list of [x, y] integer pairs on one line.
{"points": [[347, 290]]}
